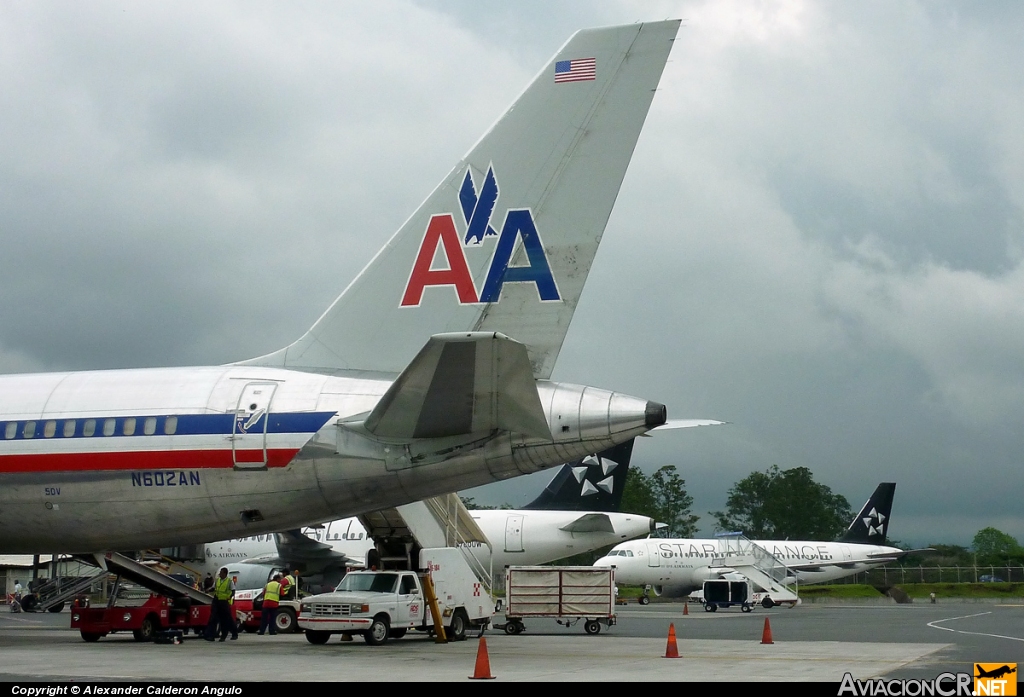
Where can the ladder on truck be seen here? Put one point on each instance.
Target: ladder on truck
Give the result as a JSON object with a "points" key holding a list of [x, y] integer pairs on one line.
{"points": [[442, 521], [745, 557], [150, 578], [52, 595]]}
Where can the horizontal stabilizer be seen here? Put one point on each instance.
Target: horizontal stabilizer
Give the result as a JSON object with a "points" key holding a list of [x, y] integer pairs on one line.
{"points": [[590, 522], [293, 546], [688, 423], [673, 424], [462, 383]]}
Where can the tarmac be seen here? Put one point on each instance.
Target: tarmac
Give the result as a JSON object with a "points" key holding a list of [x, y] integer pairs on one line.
{"points": [[898, 639]]}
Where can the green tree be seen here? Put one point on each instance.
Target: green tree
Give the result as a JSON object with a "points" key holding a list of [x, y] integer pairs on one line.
{"points": [[470, 503], [784, 504], [995, 547], [661, 496]]}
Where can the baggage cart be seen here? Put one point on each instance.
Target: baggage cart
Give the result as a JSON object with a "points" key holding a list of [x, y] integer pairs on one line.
{"points": [[567, 594], [724, 593]]}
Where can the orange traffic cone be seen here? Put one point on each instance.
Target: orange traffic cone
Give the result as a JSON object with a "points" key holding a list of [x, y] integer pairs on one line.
{"points": [[686, 608], [483, 663], [671, 650], [766, 635]]}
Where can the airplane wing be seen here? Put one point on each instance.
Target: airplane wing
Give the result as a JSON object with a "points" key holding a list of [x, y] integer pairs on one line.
{"points": [[590, 522], [884, 555]]}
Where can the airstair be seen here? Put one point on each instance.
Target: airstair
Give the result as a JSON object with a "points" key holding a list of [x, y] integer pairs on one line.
{"points": [[443, 521], [745, 557], [52, 595]]}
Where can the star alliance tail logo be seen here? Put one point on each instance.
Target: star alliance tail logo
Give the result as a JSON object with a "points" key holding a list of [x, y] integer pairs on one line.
{"points": [[442, 238], [875, 522], [606, 485]]}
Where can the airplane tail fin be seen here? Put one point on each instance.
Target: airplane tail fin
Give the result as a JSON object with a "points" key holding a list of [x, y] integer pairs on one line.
{"points": [[594, 483], [506, 240], [871, 525]]}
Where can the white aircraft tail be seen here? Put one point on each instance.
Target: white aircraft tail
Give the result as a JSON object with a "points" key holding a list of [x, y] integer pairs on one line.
{"points": [[506, 240]]}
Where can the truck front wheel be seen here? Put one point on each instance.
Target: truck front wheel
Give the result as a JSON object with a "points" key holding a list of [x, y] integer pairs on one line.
{"points": [[377, 634], [315, 637], [286, 621]]}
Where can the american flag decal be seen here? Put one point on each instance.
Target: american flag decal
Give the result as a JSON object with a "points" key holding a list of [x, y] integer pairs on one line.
{"points": [[576, 70]]}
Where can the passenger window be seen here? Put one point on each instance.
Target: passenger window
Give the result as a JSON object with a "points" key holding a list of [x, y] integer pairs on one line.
{"points": [[108, 427], [149, 426], [89, 427], [170, 425], [69, 428], [12, 430], [30, 429], [50, 429], [408, 586], [129, 427]]}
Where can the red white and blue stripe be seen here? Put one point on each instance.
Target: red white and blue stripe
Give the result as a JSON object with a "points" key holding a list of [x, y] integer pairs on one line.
{"points": [[174, 441]]}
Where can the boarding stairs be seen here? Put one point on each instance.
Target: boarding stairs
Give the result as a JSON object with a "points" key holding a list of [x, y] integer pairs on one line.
{"points": [[52, 595], [743, 556], [443, 521]]}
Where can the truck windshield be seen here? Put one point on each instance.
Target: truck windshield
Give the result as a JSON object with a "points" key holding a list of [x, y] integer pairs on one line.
{"points": [[374, 583]]}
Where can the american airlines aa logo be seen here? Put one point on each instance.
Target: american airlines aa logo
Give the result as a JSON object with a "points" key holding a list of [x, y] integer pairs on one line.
{"points": [[442, 239]]}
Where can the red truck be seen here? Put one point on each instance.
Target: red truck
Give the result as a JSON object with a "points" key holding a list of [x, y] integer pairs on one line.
{"points": [[249, 609], [144, 621]]}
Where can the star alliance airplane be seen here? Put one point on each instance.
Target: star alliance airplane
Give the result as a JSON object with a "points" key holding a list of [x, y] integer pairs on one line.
{"points": [[678, 567], [429, 374]]}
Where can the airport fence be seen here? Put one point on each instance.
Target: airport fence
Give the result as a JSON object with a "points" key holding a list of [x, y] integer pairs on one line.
{"points": [[894, 575]]}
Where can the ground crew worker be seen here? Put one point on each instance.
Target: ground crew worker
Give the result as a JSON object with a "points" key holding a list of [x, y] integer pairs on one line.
{"points": [[16, 601], [288, 587], [223, 593], [271, 596]]}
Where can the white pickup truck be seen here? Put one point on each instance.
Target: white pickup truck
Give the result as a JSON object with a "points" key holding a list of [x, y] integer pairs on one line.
{"points": [[386, 604]]}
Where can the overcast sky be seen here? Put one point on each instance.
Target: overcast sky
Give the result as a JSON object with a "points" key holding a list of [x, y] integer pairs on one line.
{"points": [[820, 238]]}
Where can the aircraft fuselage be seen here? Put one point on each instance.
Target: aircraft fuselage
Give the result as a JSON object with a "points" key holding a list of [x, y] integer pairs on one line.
{"points": [[682, 565], [129, 459]]}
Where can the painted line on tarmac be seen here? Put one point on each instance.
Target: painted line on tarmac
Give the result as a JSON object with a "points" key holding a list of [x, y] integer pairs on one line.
{"points": [[21, 619], [934, 625]]}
